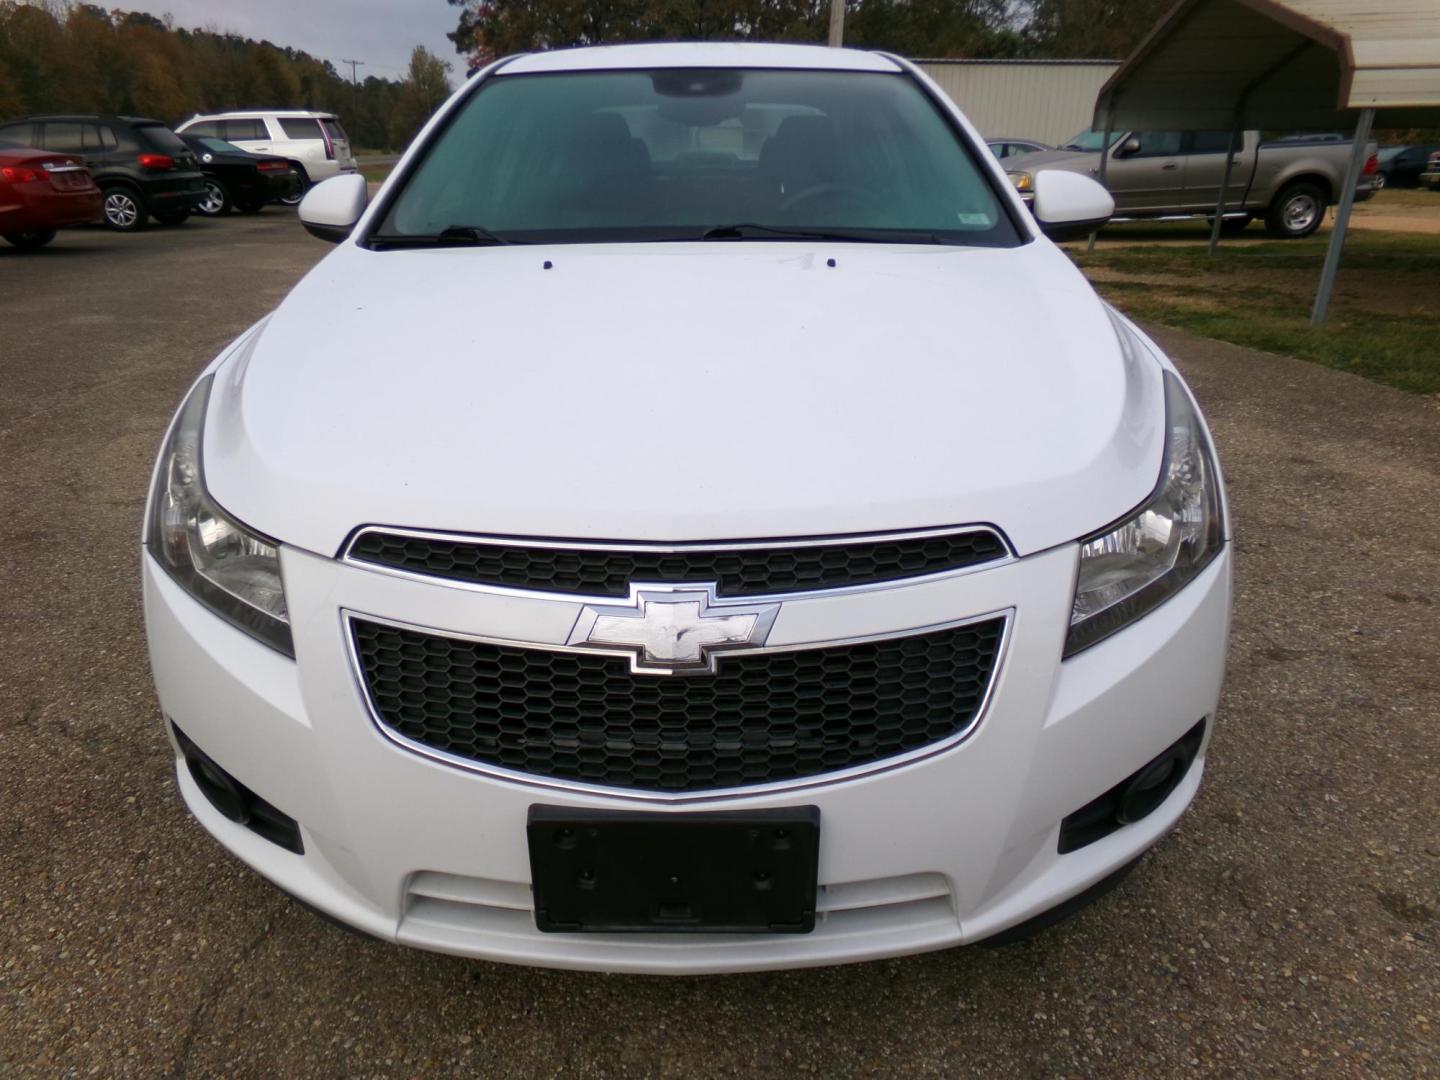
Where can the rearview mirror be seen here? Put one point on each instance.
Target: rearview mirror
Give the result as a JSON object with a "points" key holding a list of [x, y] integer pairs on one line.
{"points": [[331, 208], [1068, 205], [1128, 147]]}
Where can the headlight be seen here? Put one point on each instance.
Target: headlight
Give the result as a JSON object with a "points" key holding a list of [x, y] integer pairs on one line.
{"points": [[1132, 567], [1023, 181], [227, 567]]}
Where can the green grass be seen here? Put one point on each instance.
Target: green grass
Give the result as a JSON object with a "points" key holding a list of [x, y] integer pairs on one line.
{"points": [[375, 173], [1384, 319], [1399, 353], [1365, 250]]}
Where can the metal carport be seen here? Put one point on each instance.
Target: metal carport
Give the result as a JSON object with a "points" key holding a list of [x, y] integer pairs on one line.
{"points": [[1216, 65]]}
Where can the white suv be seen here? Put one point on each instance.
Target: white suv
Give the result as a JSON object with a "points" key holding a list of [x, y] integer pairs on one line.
{"points": [[314, 140]]}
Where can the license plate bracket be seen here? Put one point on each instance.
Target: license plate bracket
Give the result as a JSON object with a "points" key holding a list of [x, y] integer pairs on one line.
{"points": [[619, 871]]}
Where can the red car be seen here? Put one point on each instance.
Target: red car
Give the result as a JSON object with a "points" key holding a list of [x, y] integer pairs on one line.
{"points": [[41, 192]]}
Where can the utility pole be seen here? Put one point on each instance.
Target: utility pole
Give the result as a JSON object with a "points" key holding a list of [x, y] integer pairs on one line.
{"points": [[354, 86], [837, 23]]}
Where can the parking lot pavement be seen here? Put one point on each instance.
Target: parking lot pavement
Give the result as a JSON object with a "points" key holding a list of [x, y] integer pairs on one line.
{"points": [[1288, 928]]}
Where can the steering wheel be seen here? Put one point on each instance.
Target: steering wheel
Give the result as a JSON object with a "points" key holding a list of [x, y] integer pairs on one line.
{"points": [[815, 191]]}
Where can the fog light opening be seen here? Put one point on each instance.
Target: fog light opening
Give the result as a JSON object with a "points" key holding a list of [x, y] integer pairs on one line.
{"points": [[1144, 794], [1138, 795], [216, 786], [235, 801]]}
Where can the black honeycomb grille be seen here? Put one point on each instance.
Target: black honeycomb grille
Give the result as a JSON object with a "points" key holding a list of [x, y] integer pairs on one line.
{"points": [[758, 719], [744, 572]]}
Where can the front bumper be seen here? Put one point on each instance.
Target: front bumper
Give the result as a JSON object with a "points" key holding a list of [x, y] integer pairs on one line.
{"points": [[944, 850]]}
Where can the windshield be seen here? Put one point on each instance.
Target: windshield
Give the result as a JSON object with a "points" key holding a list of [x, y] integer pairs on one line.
{"points": [[162, 138], [671, 154], [1091, 140]]}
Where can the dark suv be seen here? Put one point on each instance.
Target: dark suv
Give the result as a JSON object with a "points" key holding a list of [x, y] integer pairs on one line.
{"points": [[143, 167]]}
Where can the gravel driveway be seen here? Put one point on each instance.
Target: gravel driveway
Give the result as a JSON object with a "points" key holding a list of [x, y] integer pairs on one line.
{"points": [[1289, 928]]}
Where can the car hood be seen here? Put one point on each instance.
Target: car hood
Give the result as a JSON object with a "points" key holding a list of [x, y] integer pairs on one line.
{"points": [[685, 392], [1070, 160]]}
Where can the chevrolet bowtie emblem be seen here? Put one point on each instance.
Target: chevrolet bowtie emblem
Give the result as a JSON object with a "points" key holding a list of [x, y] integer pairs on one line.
{"points": [[673, 631]]}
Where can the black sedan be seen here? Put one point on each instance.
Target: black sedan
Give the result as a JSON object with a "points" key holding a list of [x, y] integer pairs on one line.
{"points": [[237, 178], [1401, 166]]}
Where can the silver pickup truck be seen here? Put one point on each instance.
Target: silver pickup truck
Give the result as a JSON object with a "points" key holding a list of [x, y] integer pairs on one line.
{"points": [[1176, 174]]}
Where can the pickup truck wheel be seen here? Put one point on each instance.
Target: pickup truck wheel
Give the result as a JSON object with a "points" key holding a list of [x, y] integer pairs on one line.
{"points": [[1296, 212]]}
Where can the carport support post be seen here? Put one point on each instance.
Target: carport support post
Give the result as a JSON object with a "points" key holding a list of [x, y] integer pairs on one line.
{"points": [[1342, 217], [1104, 160], [1224, 185]]}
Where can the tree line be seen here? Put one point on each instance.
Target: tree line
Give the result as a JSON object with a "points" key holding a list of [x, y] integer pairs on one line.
{"points": [[59, 57], [67, 56], [935, 29]]}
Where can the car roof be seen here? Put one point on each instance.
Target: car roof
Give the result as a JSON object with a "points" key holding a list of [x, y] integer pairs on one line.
{"points": [[82, 117], [699, 55], [1016, 138], [235, 113]]}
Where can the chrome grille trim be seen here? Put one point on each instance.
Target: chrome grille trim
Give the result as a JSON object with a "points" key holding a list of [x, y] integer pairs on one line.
{"points": [[673, 548]]}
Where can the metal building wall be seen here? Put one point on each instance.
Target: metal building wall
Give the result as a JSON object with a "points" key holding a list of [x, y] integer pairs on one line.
{"points": [[1049, 100]]}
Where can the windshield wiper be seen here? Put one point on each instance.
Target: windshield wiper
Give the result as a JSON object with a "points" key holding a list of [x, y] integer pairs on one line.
{"points": [[752, 231], [451, 236]]}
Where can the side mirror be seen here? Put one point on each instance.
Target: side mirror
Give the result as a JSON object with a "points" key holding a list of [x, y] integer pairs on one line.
{"points": [[1068, 205], [332, 207], [1128, 148]]}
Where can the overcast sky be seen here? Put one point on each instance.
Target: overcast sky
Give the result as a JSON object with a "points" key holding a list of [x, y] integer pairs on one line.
{"points": [[380, 32]]}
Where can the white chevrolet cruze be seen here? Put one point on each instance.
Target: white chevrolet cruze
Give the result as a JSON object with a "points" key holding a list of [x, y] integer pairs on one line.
{"points": [[695, 521]]}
